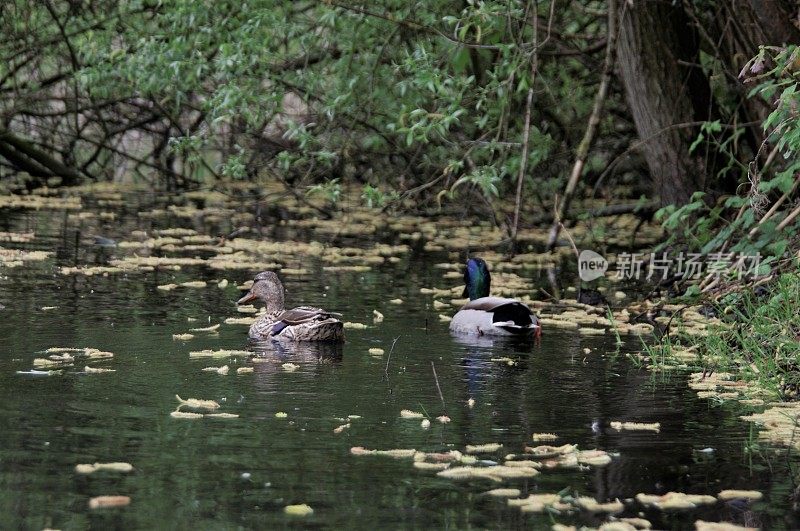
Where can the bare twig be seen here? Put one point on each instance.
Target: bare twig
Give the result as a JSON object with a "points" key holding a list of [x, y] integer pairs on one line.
{"points": [[571, 241], [523, 163], [788, 219], [774, 209], [594, 122]]}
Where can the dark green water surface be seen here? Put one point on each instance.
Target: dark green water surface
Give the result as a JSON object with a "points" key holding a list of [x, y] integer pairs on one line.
{"points": [[240, 473]]}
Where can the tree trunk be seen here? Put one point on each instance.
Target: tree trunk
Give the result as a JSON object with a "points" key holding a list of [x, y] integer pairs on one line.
{"points": [[666, 94]]}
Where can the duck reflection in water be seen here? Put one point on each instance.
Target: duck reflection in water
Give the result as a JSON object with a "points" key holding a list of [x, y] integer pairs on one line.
{"points": [[479, 351], [301, 352]]}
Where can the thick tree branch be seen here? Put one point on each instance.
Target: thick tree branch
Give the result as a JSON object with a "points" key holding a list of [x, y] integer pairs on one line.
{"points": [[21, 149]]}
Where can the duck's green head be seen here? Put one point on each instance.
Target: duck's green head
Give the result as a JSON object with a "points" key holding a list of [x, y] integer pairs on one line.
{"points": [[477, 279]]}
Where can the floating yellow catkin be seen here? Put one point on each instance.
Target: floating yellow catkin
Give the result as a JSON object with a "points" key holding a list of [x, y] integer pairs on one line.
{"points": [[86, 468], [196, 403], [298, 510], [102, 502]]}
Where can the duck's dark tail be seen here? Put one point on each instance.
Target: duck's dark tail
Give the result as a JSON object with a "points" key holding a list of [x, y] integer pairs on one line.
{"points": [[515, 317]]}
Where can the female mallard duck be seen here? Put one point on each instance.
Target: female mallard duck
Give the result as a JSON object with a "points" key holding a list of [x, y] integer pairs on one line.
{"points": [[298, 324], [491, 315]]}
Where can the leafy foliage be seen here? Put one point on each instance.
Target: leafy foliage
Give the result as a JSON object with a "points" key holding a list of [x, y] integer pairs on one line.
{"points": [[422, 101], [743, 224], [392, 94], [762, 343]]}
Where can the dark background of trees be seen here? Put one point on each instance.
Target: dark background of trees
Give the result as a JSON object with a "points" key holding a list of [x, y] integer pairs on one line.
{"points": [[418, 103]]}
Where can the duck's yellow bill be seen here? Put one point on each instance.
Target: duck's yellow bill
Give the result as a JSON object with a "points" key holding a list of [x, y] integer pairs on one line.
{"points": [[249, 297]]}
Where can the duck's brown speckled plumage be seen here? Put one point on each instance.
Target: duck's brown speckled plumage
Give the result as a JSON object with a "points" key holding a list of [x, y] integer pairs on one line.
{"points": [[303, 323]]}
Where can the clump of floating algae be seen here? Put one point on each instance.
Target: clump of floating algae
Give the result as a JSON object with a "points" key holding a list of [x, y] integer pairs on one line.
{"points": [[495, 473], [219, 370], [523, 463], [551, 451], [186, 415], [104, 502], [439, 457], [722, 385], [194, 284], [593, 506], [779, 424], [222, 353], [107, 467], [95, 370], [16, 237], [298, 510], [212, 328], [395, 453], [730, 494], [59, 361], [675, 500], [503, 493], [483, 448], [635, 426], [240, 320], [66, 356], [701, 525], [196, 403], [341, 428], [537, 503], [15, 258], [425, 465], [40, 202]]}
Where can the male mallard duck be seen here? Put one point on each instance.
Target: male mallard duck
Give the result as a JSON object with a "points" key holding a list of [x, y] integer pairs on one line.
{"points": [[491, 315], [298, 324]]}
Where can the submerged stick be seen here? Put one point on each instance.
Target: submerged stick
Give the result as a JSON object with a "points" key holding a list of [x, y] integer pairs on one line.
{"points": [[389, 357], [438, 388]]}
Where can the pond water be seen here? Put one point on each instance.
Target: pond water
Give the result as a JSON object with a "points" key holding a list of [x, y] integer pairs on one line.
{"points": [[241, 472]]}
